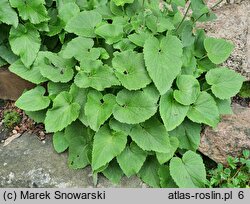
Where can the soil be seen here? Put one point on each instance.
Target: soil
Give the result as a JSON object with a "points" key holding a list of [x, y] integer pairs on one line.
{"points": [[245, 102], [26, 124]]}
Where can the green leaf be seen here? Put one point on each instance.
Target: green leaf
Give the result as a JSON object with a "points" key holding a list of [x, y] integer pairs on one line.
{"points": [[80, 96], [99, 78], [82, 115], [204, 110], [120, 127], [172, 112], [113, 172], [188, 134], [33, 100], [199, 49], [30, 74], [54, 67], [149, 172], [225, 82], [34, 11], [8, 14], [189, 61], [131, 159], [60, 143], [2, 62], [158, 24], [37, 116], [25, 42], [7, 54], [166, 181], [224, 106], [163, 61], [179, 2], [151, 136], [112, 33], [80, 145], [188, 172], [107, 145], [205, 64], [189, 89], [79, 155], [67, 11], [122, 2], [187, 36], [55, 23], [81, 49], [55, 88], [98, 108], [218, 50], [139, 38], [245, 90], [62, 114], [84, 23], [199, 9], [165, 157], [124, 44], [130, 70], [135, 106]]}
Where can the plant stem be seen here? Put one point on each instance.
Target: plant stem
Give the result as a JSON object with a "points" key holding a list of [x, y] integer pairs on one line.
{"points": [[207, 89], [216, 4], [203, 57], [237, 172], [184, 17]]}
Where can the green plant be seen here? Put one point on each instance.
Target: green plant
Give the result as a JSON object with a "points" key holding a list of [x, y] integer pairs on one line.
{"points": [[245, 90], [129, 82], [236, 175], [11, 118]]}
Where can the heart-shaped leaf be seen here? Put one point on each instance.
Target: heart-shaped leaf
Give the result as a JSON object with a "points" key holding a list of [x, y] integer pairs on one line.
{"points": [[131, 159], [98, 108], [189, 89], [151, 136], [62, 114], [107, 145], [163, 60], [33, 100], [204, 110], [130, 70], [135, 106], [225, 82], [172, 112], [188, 172], [218, 50]]}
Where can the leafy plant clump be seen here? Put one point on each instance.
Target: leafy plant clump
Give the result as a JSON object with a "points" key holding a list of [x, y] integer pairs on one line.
{"points": [[236, 175], [124, 85], [245, 90], [10, 119]]}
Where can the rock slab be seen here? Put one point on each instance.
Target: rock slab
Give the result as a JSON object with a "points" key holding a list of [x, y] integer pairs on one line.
{"points": [[27, 162], [233, 23], [230, 138]]}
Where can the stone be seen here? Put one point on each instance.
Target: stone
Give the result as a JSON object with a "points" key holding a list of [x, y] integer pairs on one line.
{"points": [[233, 23], [28, 162], [4, 133], [11, 85], [230, 138]]}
